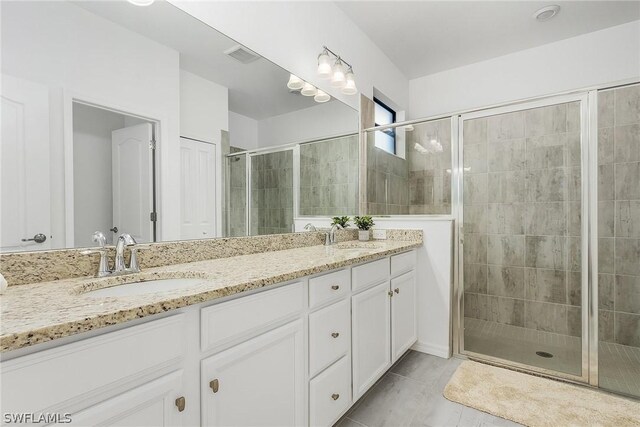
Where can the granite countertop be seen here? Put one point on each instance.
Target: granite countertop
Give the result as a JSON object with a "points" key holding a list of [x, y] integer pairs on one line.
{"points": [[41, 312]]}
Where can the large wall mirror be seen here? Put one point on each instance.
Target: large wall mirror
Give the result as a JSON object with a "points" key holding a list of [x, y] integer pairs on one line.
{"points": [[145, 120]]}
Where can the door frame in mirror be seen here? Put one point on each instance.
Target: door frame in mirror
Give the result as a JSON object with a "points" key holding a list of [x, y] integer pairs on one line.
{"points": [[160, 134]]}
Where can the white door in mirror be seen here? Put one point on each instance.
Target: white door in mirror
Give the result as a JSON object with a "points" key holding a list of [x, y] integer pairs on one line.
{"points": [[25, 192], [132, 198]]}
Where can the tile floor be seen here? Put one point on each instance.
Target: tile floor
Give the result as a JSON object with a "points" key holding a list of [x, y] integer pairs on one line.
{"points": [[410, 394]]}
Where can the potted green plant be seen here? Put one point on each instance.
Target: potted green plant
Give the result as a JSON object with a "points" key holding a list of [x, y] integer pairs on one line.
{"points": [[364, 224], [342, 221]]}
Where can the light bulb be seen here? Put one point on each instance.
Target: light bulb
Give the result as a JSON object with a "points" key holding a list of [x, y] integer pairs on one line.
{"points": [[295, 82], [350, 84], [324, 65], [338, 78], [321, 97], [309, 90]]}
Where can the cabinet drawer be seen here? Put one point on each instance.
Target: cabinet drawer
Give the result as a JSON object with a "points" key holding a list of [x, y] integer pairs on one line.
{"points": [[245, 316], [330, 394], [402, 263], [328, 287], [369, 274], [66, 376], [329, 335]]}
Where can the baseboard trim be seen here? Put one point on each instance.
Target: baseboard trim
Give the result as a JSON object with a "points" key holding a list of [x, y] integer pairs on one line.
{"points": [[436, 350]]}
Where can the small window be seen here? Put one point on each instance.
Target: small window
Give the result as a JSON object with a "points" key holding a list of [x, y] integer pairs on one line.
{"points": [[385, 139]]}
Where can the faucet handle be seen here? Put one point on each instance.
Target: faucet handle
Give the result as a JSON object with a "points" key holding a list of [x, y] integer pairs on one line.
{"points": [[133, 262], [103, 267], [99, 238]]}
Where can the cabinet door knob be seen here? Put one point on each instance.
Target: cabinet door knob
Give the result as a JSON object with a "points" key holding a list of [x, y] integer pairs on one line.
{"points": [[335, 287], [335, 396], [215, 385], [180, 403], [396, 290], [335, 334], [390, 293]]}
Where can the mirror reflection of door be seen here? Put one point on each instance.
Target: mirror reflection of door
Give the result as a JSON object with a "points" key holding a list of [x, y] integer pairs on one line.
{"points": [[24, 155], [112, 175]]}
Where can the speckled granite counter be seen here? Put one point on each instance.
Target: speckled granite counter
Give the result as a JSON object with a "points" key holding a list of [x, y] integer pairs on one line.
{"points": [[41, 312]]}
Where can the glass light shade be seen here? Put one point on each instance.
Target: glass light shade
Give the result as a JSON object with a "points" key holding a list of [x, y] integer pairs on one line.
{"points": [[309, 90], [295, 82], [324, 65], [338, 79], [141, 2], [321, 97], [350, 84]]}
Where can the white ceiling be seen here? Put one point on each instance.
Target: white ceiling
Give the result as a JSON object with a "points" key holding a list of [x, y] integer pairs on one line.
{"points": [[257, 90], [425, 37]]}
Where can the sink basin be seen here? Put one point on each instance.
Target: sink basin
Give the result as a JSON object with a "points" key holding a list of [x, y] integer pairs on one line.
{"points": [[358, 245], [146, 287]]}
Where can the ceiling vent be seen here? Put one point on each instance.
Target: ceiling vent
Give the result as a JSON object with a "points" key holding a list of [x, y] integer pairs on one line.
{"points": [[242, 54]]}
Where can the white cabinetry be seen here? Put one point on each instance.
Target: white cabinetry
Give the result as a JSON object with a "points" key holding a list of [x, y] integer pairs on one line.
{"points": [[403, 314], [256, 383]]}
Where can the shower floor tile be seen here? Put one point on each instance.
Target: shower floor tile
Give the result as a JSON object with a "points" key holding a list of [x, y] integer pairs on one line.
{"points": [[619, 365]]}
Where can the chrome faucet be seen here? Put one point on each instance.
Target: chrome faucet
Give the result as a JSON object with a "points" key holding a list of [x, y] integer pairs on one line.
{"points": [[120, 266], [330, 236], [310, 227]]}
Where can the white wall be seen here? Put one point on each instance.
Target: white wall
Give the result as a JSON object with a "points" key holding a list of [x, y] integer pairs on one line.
{"points": [[79, 54], [434, 275], [319, 121], [243, 131], [92, 172], [292, 34], [204, 108], [603, 56]]}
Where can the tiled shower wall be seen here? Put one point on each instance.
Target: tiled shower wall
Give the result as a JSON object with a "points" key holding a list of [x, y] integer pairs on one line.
{"points": [[272, 193], [430, 170], [387, 181], [236, 193], [619, 215], [522, 219], [329, 177]]}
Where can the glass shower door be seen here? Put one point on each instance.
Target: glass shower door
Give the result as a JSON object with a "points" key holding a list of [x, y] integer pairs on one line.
{"points": [[521, 259]]}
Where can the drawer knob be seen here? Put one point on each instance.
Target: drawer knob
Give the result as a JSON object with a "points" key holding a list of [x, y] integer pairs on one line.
{"points": [[396, 290], [335, 287], [335, 396], [335, 334], [390, 293], [180, 403], [215, 385]]}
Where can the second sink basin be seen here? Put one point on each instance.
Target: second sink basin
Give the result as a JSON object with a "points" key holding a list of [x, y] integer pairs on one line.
{"points": [[146, 287]]}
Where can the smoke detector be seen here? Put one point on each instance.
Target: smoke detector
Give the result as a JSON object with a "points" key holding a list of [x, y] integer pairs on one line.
{"points": [[546, 13], [242, 54]]}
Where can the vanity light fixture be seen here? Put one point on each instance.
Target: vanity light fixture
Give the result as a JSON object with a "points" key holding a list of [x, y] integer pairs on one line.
{"points": [[308, 89], [324, 64], [295, 82], [341, 73], [321, 97], [350, 84], [141, 2]]}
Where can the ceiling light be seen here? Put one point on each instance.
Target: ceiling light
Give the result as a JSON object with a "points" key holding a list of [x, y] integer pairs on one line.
{"points": [[546, 13], [295, 82], [338, 79], [324, 65], [141, 2], [350, 84], [309, 90], [321, 97]]}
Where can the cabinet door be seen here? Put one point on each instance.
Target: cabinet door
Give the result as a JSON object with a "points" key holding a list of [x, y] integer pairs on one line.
{"points": [[152, 404], [403, 314], [257, 383], [371, 332]]}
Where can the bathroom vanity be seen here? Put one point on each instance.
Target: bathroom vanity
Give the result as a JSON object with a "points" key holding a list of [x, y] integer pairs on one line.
{"points": [[294, 338]]}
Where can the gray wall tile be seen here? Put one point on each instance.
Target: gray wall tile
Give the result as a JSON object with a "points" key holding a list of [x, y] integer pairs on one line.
{"points": [[505, 250], [505, 281], [627, 329], [627, 294]]}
